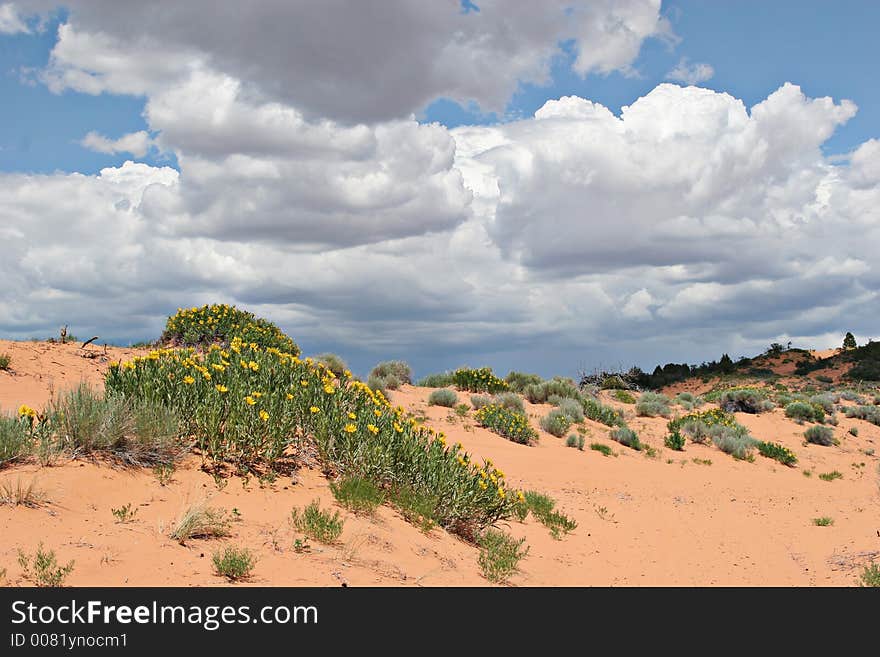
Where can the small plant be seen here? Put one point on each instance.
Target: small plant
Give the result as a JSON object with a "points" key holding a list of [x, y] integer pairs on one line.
{"points": [[602, 449], [543, 508], [820, 435], [201, 521], [674, 441], [461, 410], [854, 431], [164, 473], [777, 452], [42, 569], [824, 521], [500, 555], [511, 425], [575, 440], [870, 576], [443, 397], [624, 397], [595, 410], [317, 524], [5, 360], [357, 494], [652, 404], [124, 514], [301, 545], [21, 494], [831, 476], [235, 564], [556, 422], [416, 507], [626, 436], [702, 461]]}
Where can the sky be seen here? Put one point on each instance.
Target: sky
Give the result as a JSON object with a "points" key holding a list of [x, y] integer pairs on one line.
{"points": [[549, 187]]}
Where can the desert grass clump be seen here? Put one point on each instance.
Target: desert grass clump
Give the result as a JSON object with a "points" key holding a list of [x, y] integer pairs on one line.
{"points": [[509, 400], [357, 494], [854, 431], [776, 452], [824, 521], [556, 423], [5, 361], [393, 372], [870, 576], [744, 400], [441, 380], [220, 324], [201, 521], [443, 397], [573, 409], [22, 494], [575, 440], [478, 380], [623, 396], [500, 555], [543, 508], [652, 404], [831, 476], [43, 569], [512, 425], [626, 436], [599, 412], [16, 437], [802, 411], [519, 381], [820, 435], [319, 525], [235, 564], [605, 450]]}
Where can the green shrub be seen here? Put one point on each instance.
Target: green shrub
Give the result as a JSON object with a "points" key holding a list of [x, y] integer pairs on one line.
{"points": [[318, 525], [599, 412], [851, 395], [684, 398], [518, 381], [804, 412], [479, 380], [443, 397], [603, 449], [613, 382], [626, 436], [824, 379], [575, 440], [820, 435], [744, 400], [868, 413], [510, 424], [870, 576], [854, 431], [696, 426], [777, 452], [379, 385], [652, 404], [357, 494], [572, 409], [511, 401], [43, 569], [624, 397], [825, 402], [15, 438], [333, 363], [233, 563], [5, 360], [556, 422], [561, 387], [420, 507], [500, 555], [219, 324], [543, 508], [831, 476], [674, 441], [824, 521], [393, 370], [442, 380]]}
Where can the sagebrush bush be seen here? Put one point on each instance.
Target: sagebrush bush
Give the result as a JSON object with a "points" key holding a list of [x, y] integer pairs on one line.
{"points": [[556, 422], [317, 524], [378, 385], [868, 413], [441, 380], [825, 402], [575, 440], [234, 563], [820, 435], [851, 395], [599, 412], [478, 401], [744, 400], [510, 424], [220, 324], [443, 397], [804, 412], [478, 380], [393, 370], [652, 404], [538, 393], [518, 381], [509, 400], [626, 436], [573, 409], [357, 494], [333, 363], [733, 440], [15, 438]]}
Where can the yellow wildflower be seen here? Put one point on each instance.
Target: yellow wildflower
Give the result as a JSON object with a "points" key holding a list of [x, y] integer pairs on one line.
{"points": [[373, 429], [188, 380], [264, 416], [250, 400], [221, 388], [314, 409], [350, 428]]}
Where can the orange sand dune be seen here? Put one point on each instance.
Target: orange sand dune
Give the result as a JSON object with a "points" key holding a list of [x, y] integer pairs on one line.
{"points": [[667, 520]]}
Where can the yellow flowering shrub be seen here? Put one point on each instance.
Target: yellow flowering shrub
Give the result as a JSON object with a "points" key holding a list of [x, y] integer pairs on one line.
{"points": [[480, 380], [510, 424]]}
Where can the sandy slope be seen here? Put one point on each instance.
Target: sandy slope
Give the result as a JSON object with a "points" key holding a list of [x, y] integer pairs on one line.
{"points": [[642, 521]]}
